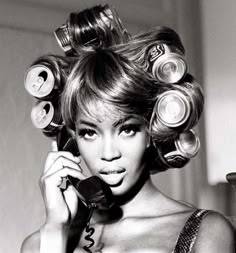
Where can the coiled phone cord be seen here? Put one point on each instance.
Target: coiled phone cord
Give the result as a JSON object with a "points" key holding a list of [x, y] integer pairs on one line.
{"points": [[89, 230]]}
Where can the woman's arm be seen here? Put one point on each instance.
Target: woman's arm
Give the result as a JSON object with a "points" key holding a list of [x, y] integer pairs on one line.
{"points": [[48, 239], [53, 238], [61, 204], [31, 244], [216, 234]]}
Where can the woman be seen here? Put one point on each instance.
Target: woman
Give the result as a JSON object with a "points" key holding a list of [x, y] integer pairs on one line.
{"points": [[108, 106]]}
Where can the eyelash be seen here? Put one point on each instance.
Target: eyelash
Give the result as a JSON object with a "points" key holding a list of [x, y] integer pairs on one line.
{"points": [[88, 133], [130, 127]]}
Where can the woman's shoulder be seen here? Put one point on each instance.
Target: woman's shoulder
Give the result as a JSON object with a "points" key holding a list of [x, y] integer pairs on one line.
{"points": [[31, 243], [216, 234]]}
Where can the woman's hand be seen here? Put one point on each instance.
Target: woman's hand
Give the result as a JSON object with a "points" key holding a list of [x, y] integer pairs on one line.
{"points": [[61, 204]]}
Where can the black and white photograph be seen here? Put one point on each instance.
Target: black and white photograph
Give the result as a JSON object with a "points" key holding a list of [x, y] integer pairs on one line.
{"points": [[118, 127]]}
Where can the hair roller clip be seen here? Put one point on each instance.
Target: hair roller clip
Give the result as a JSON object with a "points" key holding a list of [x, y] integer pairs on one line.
{"points": [[45, 115], [166, 63], [40, 82], [172, 109], [177, 153]]}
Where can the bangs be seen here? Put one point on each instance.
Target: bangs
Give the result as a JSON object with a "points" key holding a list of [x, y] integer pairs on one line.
{"points": [[99, 110], [106, 81]]}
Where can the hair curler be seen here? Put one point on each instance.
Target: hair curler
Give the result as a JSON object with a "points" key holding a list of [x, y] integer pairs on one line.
{"points": [[172, 109], [40, 82], [96, 26], [177, 153], [166, 63], [45, 115], [116, 25], [63, 38]]}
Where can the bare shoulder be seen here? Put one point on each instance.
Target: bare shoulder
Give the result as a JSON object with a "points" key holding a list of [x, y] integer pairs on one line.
{"points": [[216, 234], [31, 243]]}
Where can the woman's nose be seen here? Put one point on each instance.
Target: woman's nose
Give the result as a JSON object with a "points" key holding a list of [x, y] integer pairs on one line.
{"points": [[110, 149]]}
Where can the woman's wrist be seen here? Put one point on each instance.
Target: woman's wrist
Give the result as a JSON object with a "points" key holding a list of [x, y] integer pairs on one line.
{"points": [[53, 238]]}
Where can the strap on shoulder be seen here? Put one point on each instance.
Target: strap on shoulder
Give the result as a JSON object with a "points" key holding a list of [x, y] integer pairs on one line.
{"points": [[188, 235]]}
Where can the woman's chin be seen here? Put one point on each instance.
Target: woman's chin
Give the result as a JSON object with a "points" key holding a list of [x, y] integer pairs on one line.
{"points": [[118, 189]]}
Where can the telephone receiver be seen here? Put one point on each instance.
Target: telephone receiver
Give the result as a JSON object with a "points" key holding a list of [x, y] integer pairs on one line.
{"points": [[93, 190]]}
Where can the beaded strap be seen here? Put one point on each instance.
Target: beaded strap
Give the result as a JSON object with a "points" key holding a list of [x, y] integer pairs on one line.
{"points": [[188, 235]]}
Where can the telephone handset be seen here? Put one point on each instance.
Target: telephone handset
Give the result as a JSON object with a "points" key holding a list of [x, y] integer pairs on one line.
{"points": [[93, 189]]}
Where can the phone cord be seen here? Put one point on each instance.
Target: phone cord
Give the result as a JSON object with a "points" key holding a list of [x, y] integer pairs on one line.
{"points": [[89, 230]]}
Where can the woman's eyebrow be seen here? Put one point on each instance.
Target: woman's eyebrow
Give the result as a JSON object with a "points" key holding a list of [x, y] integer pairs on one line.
{"points": [[114, 124], [123, 120], [85, 122]]}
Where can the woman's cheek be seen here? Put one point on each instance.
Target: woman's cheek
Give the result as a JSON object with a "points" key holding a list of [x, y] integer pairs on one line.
{"points": [[88, 154]]}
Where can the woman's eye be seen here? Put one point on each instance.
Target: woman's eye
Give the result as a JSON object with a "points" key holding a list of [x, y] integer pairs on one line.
{"points": [[129, 130], [88, 134]]}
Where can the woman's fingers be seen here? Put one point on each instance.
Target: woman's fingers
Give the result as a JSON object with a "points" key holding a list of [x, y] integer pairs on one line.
{"points": [[61, 203], [63, 162], [55, 155], [66, 171], [55, 178]]}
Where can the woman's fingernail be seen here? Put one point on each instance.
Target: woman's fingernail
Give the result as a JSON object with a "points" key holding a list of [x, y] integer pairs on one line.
{"points": [[77, 159]]}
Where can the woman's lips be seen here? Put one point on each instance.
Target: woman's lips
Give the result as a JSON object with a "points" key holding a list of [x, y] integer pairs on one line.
{"points": [[113, 176]]}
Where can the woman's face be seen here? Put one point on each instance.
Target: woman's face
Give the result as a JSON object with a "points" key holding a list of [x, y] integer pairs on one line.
{"points": [[113, 149]]}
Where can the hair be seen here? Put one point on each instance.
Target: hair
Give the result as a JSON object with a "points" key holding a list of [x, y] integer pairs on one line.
{"points": [[110, 67], [193, 93], [99, 26], [136, 48], [59, 66], [105, 76]]}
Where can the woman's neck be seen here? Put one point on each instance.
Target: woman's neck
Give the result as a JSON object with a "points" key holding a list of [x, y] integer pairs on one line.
{"points": [[139, 205]]}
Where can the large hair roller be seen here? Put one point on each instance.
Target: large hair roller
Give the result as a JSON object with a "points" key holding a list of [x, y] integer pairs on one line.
{"points": [[172, 108], [39, 81], [119, 31], [177, 152], [166, 63], [63, 38], [99, 26], [46, 115], [177, 109], [170, 113], [46, 77], [159, 52]]}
